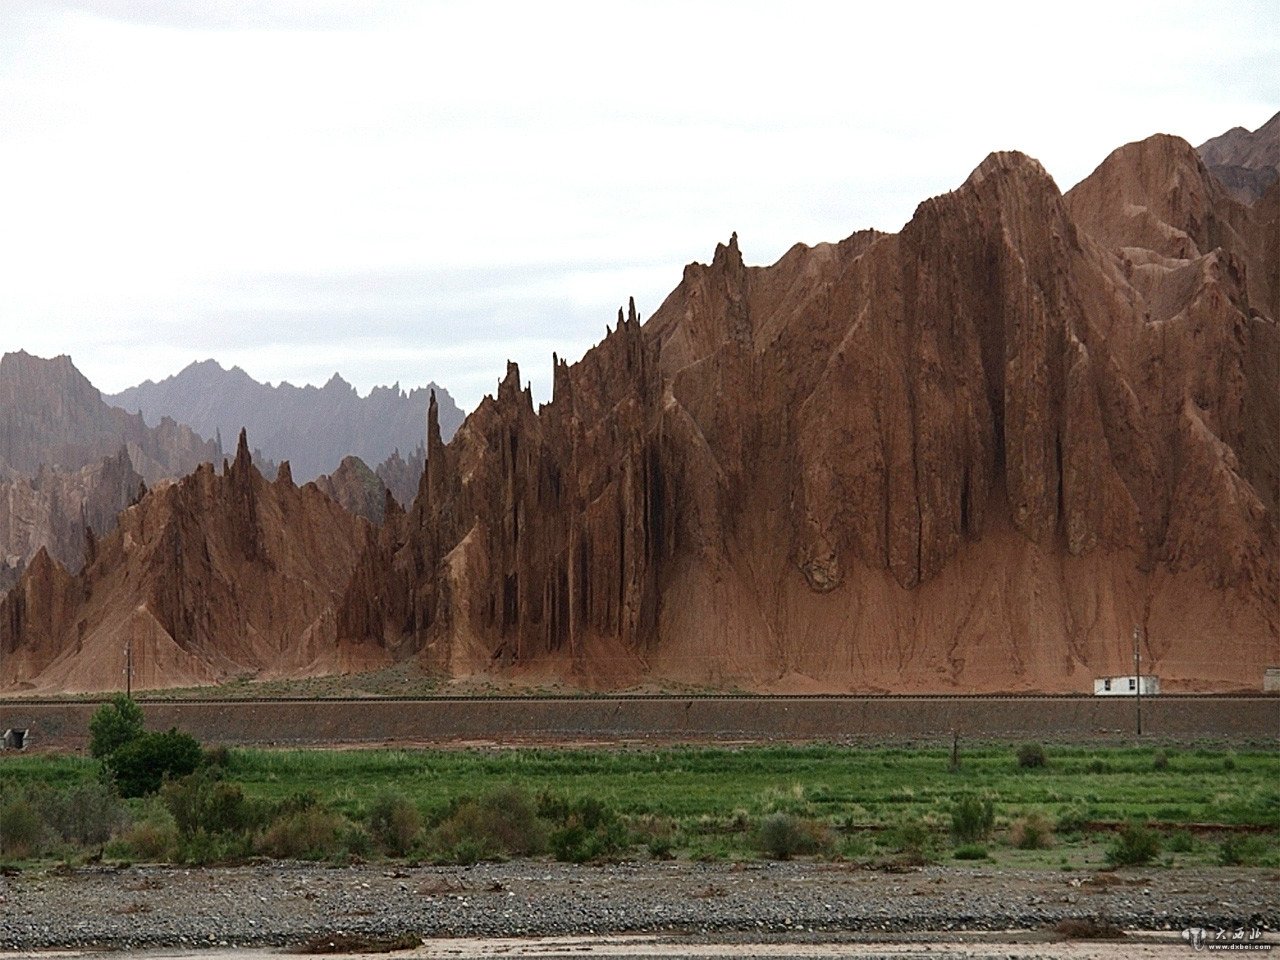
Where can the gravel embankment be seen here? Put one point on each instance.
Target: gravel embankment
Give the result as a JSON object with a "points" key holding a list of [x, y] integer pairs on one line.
{"points": [[281, 904]]}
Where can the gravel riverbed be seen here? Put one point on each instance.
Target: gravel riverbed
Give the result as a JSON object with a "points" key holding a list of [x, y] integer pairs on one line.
{"points": [[286, 904]]}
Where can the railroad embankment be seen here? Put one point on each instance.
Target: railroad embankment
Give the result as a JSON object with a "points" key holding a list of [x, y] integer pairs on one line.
{"points": [[64, 724]]}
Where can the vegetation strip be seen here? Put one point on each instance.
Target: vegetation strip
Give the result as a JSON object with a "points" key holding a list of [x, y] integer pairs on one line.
{"points": [[160, 797]]}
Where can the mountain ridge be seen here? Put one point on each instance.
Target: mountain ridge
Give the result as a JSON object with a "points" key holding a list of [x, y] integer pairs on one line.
{"points": [[313, 428], [971, 456]]}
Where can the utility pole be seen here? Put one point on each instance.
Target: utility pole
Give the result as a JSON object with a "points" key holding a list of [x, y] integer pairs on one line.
{"points": [[1137, 669], [128, 668]]}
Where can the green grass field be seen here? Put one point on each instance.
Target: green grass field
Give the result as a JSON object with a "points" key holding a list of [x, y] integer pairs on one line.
{"points": [[865, 801]]}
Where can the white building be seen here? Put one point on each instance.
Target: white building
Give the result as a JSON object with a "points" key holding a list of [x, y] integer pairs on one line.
{"points": [[1126, 686]]}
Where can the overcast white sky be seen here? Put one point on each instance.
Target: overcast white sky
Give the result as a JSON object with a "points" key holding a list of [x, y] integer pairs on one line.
{"points": [[419, 191]]}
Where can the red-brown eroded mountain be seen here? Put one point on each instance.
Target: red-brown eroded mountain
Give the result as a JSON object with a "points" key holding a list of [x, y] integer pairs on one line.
{"points": [[211, 577], [973, 455], [970, 456]]}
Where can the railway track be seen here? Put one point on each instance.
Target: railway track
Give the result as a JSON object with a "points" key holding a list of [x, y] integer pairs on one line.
{"points": [[658, 697], [603, 718]]}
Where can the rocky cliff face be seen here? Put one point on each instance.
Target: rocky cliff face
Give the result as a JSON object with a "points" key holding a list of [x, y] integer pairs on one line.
{"points": [[52, 417], [401, 477], [972, 455], [1246, 163], [208, 578], [357, 489], [311, 427], [64, 513]]}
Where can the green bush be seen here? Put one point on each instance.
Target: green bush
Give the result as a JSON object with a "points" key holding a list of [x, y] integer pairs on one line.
{"points": [[152, 838], [659, 834], [394, 823], [971, 851], [144, 763], [911, 838], [501, 824], [85, 814], [1182, 842], [311, 833], [589, 830], [199, 801], [781, 836], [972, 818], [1243, 851], [1134, 845], [1031, 755], [113, 725], [1160, 761], [22, 830], [1074, 819], [217, 757]]}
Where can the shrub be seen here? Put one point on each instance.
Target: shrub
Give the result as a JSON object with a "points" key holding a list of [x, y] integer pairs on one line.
{"points": [[972, 818], [971, 851], [217, 757], [1032, 832], [311, 833], [1160, 761], [22, 829], [87, 814], [658, 834], [912, 838], [1031, 755], [1242, 851], [1096, 765], [202, 848], [142, 765], [1134, 845], [201, 802], [153, 840], [113, 725], [1074, 819], [1182, 842], [661, 847], [590, 830], [394, 823], [782, 836], [501, 824]]}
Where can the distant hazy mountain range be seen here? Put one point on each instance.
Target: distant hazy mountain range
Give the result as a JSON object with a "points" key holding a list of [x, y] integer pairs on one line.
{"points": [[1246, 162], [313, 428]]}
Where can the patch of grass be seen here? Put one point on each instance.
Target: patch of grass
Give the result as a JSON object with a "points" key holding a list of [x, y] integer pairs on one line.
{"points": [[971, 851]]}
